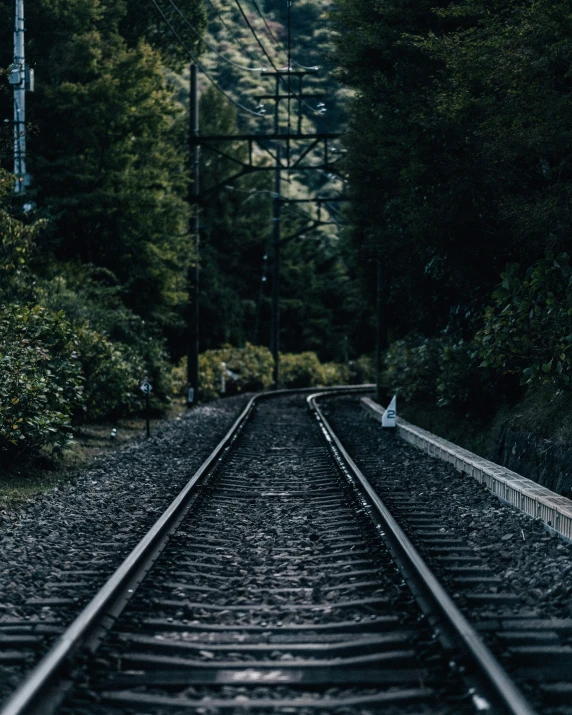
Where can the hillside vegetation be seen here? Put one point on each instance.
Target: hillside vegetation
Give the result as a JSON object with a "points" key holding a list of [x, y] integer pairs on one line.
{"points": [[459, 151], [456, 124], [95, 257]]}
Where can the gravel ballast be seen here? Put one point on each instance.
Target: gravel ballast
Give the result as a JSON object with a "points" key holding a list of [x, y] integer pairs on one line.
{"points": [[60, 546], [277, 574], [511, 579], [90, 524], [529, 560]]}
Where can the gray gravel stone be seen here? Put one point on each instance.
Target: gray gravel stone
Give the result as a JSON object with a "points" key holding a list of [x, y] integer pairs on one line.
{"points": [[514, 545], [92, 522]]}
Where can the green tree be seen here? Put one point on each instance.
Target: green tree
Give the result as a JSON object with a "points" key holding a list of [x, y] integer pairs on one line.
{"points": [[235, 227], [18, 246], [41, 383], [458, 146], [105, 151]]}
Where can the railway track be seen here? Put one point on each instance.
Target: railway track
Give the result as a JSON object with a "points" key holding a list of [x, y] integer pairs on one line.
{"points": [[276, 582], [531, 637]]}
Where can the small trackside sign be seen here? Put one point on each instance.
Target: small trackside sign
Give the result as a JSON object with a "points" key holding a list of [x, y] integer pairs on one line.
{"points": [[390, 414], [146, 387]]}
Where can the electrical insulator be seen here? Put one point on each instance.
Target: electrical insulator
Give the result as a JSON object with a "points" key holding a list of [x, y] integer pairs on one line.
{"points": [[29, 78]]}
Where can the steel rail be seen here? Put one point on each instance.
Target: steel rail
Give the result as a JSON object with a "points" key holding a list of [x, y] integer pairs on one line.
{"points": [[36, 695], [500, 687]]}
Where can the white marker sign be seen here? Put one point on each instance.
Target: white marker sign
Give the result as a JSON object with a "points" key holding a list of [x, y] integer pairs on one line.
{"points": [[146, 387], [388, 419]]}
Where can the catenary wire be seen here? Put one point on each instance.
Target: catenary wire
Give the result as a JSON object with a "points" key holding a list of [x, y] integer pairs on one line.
{"points": [[253, 31], [211, 47], [304, 67], [276, 39], [231, 31], [258, 192], [259, 11], [201, 67], [289, 56]]}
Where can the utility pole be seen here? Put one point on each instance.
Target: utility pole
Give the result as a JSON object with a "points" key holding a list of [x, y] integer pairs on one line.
{"points": [[20, 79], [286, 143], [276, 219], [378, 332], [263, 280], [193, 279]]}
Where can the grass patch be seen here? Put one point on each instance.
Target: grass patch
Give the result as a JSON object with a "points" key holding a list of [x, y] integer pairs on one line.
{"points": [[21, 482]]}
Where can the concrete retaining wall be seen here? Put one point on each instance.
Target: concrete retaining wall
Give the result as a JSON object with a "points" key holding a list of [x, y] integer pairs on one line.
{"points": [[528, 496]]}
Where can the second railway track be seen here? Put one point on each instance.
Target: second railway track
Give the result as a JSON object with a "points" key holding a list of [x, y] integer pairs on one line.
{"points": [[278, 583]]}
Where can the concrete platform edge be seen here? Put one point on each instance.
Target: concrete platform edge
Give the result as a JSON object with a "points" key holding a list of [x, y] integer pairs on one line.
{"points": [[554, 510]]}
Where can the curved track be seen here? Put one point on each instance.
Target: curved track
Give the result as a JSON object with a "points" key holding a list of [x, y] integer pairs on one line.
{"points": [[277, 581]]}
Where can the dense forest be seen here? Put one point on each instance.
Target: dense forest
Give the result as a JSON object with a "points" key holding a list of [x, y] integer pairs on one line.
{"points": [[459, 164], [455, 140]]}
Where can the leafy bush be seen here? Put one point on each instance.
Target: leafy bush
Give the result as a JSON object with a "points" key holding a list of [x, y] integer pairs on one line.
{"points": [[251, 369], [443, 370], [252, 365], [91, 299], [245, 369], [179, 378], [528, 331], [158, 368], [41, 383], [113, 373], [17, 247], [412, 367], [306, 370], [334, 373], [361, 370], [301, 370], [210, 373], [462, 381]]}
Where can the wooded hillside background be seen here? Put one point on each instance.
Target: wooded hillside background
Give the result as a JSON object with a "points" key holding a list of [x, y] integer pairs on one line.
{"points": [[457, 131]]}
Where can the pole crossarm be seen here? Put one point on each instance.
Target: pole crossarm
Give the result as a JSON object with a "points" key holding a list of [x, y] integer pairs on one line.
{"points": [[306, 151], [274, 157], [277, 98], [228, 156], [317, 199], [212, 143], [312, 227], [293, 73], [274, 136]]}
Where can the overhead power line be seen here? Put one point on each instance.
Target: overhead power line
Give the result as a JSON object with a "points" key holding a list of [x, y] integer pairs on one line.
{"points": [[285, 82], [211, 47], [207, 74], [253, 31], [259, 11], [231, 31], [303, 67], [276, 39]]}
